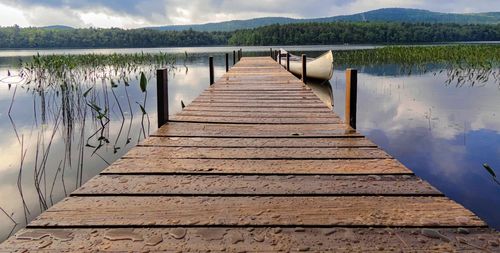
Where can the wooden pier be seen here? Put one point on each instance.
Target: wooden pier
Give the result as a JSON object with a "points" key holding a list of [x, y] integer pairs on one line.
{"points": [[257, 163]]}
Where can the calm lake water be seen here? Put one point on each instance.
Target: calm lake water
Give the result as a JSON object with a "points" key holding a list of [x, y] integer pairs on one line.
{"points": [[52, 142]]}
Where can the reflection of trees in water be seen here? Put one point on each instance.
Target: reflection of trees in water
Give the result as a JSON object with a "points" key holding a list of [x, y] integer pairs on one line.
{"points": [[75, 105]]}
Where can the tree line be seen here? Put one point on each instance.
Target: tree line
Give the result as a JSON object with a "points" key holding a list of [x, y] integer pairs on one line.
{"points": [[290, 34], [362, 33], [16, 37]]}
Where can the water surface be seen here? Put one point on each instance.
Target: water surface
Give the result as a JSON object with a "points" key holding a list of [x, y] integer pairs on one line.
{"points": [[443, 132]]}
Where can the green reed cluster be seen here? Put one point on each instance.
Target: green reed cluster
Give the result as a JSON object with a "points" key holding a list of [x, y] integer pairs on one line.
{"points": [[464, 64], [471, 56], [52, 69]]}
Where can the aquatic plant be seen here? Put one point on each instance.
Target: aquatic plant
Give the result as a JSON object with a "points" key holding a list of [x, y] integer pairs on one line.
{"points": [[492, 173], [75, 97], [464, 64]]}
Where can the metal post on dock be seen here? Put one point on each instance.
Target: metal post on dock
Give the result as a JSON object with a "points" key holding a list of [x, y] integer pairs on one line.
{"points": [[287, 61], [240, 54], [162, 96], [351, 96], [271, 52], [304, 68], [211, 67], [279, 56], [227, 62], [234, 57]]}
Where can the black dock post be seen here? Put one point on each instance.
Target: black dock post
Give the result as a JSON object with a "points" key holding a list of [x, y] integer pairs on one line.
{"points": [[304, 68], [211, 68], [162, 96], [351, 96]]}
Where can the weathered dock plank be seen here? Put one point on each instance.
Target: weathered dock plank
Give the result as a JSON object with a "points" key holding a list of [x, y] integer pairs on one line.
{"points": [[177, 129], [256, 153], [255, 120], [234, 185], [251, 239], [258, 142], [227, 109], [256, 166], [256, 163], [364, 211]]}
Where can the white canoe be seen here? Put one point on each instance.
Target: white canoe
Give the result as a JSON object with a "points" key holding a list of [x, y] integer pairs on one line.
{"points": [[318, 68]]}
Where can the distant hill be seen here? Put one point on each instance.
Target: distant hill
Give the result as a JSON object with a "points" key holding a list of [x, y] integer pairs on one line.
{"points": [[57, 27], [386, 14]]}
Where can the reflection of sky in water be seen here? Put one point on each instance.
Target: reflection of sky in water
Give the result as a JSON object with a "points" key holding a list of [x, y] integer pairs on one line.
{"points": [[441, 132], [184, 84]]}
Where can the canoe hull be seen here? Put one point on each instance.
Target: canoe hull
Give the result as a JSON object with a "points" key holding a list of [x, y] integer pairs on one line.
{"points": [[320, 68]]}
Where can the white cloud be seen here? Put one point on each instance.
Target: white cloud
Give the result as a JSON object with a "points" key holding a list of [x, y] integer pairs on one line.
{"points": [[139, 13], [12, 15]]}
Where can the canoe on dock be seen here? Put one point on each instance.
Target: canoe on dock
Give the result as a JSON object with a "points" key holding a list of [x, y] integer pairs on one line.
{"points": [[320, 68]]}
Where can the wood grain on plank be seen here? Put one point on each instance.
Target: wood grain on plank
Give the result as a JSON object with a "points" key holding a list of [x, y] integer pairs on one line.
{"points": [[195, 108], [253, 88], [260, 97], [298, 115], [261, 105], [257, 211], [249, 166], [258, 93], [256, 185], [258, 239], [257, 142], [259, 131], [265, 101], [255, 120], [255, 153]]}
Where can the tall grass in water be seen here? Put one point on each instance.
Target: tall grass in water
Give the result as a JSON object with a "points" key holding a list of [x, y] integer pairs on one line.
{"points": [[464, 64], [75, 99]]}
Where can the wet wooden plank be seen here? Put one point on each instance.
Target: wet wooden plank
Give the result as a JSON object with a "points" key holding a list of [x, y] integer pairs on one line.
{"points": [[261, 97], [196, 108], [249, 166], [175, 129], [305, 115], [257, 142], [255, 120], [263, 102], [259, 93], [255, 153], [269, 84], [254, 239], [256, 100], [253, 88], [261, 105], [258, 211], [255, 185]]}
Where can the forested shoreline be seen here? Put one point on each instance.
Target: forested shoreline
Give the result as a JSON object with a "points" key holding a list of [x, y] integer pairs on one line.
{"points": [[291, 34]]}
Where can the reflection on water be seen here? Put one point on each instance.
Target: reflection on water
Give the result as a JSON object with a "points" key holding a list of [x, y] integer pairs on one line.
{"points": [[53, 142], [56, 137], [443, 133]]}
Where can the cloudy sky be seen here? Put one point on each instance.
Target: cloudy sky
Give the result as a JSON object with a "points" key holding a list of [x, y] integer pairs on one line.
{"points": [[139, 13]]}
